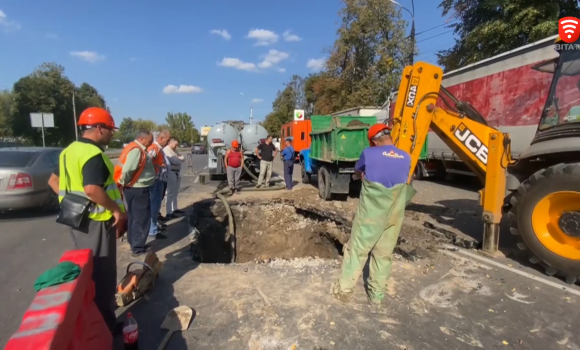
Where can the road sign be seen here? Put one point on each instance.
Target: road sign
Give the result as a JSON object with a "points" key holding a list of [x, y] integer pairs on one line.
{"points": [[205, 130], [42, 120], [298, 114]]}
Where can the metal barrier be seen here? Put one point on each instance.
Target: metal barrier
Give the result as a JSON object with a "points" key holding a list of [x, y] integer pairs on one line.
{"points": [[189, 164]]}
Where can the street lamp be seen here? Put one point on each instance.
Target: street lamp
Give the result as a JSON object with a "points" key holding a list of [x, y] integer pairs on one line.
{"points": [[412, 13]]}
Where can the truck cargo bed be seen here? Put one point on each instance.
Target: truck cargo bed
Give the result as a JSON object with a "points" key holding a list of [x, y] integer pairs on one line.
{"points": [[339, 138]]}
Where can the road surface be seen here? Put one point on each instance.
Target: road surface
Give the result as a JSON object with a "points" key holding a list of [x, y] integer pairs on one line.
{"points": [[30, 243]]}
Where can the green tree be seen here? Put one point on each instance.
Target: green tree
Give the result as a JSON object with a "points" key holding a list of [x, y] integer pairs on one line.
{"points": [[182, 127], [129, 128], [6, 100], [367, 58], [48, 90], [126, 132], [284, 104], [490, 27]]}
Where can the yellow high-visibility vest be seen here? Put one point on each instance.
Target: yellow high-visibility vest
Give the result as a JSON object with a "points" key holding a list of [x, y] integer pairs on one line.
{"points": [[77, 154]]}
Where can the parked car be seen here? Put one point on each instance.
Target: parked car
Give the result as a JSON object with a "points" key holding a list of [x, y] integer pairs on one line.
{"points": [[24, 174], [198, 148]]}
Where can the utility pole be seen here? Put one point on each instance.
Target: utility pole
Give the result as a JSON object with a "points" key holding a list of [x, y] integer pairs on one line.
{"points": [[75, 116], [251, 115], [411, 57]]}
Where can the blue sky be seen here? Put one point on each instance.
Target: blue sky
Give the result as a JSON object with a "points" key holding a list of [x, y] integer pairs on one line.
{"points": [[151, 57]]}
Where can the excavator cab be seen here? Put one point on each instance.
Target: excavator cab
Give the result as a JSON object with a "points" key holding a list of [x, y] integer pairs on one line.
{"points": [[541, 191], [563, 102]]}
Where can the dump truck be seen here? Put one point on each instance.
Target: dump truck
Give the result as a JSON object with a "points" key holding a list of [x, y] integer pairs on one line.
{"points": [[336, 144], [509, 90], [540, 191]]}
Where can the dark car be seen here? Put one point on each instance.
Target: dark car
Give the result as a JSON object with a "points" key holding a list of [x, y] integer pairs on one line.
{"points": [[24, 174], [198, 148]]}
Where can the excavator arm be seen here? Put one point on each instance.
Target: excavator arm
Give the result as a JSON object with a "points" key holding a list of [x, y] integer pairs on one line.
{"points": [[484, 149]]}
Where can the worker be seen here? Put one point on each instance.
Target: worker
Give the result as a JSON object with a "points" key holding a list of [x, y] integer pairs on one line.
{"points": [[384, 170], [288, 157], [156, 191], [266, 152], [135, 173], [173, 179], [233, 160], [84, 169]]}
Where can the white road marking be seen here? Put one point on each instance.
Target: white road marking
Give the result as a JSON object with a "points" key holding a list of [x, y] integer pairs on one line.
{"points": [[521, 273], [205, 168]]}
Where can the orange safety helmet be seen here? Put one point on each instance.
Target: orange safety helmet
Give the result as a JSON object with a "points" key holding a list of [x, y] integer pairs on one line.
{"points": [[235, 144], [95, 116], [377, 129]]}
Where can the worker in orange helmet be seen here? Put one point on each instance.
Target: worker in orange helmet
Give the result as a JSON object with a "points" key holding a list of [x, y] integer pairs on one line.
{"points": [[84, 170], [233, 161], [376, 226]]}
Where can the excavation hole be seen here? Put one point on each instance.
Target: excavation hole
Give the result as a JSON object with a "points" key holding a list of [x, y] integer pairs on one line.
{"points": [[264, 231]]}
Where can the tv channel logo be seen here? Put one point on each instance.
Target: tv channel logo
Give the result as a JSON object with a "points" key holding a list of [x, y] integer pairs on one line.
{"points": [[569, 29]]}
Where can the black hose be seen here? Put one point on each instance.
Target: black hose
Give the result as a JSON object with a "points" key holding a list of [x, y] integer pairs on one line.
{"points": [[221, 195], [231, 235]]}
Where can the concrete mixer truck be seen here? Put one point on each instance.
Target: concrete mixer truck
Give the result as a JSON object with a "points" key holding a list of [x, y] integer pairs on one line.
{"points": [[220, 138]]}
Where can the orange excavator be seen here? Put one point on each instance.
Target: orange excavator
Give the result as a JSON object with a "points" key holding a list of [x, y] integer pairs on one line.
{"points": [[541, 191]]}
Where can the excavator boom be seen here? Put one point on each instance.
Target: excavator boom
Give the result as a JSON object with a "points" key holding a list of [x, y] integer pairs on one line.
{"points": [[484, 149]]}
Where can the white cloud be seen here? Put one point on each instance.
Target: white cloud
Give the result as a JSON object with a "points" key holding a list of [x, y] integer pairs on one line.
{"points": [[281, 70], [182, 89], [272, 58], [51, 36], [221, 32], [257, 100], [133, 59], [237, 64], [8, 24], [291, 37], [89, 56], [263, 37], [316, 64]]}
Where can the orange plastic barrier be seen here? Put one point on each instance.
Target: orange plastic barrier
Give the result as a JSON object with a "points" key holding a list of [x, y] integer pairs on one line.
{"points": [[65, 317]]}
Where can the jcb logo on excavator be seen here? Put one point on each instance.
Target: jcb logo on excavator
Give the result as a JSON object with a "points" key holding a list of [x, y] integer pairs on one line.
{"points": [[471, 142], [412, 92]]}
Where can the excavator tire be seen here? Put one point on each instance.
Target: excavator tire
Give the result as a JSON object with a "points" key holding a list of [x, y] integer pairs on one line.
{"points": [[545, 216]]}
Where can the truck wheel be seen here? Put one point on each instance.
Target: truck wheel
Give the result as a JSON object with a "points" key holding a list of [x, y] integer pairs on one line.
{"points": [[545, 216], [305, 176], [418, 175], [324, 184]]}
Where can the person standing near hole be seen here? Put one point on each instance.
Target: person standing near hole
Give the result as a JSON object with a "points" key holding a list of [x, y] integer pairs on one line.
{"points": [[84, 169], [385, 193], [266, 152], [287, 155], [173, 179], [156, 191], [233, 160], [135, 174]]}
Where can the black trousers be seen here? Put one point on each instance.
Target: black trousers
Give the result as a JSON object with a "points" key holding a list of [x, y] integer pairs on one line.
{"points": [[139, 217], [101, 238]]}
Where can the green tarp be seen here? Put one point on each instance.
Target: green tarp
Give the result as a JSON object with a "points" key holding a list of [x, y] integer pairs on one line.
{"points": [[375, 230]]}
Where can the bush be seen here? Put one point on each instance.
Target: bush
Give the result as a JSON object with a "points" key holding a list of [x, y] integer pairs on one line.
{"points": [[115, 144]]}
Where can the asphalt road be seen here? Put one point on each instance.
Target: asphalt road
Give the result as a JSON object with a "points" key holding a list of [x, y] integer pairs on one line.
{"points": [[30, 243]]}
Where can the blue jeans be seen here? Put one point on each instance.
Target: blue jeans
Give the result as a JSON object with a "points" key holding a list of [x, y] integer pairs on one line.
{"points": [[288, 170], [156, 194]]}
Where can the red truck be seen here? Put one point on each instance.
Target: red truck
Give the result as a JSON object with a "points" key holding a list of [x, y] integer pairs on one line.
{"points": [[509, 90]]}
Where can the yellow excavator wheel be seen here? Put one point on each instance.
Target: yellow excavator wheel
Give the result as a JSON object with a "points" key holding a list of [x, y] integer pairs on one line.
{"points": [[545, 221], [543, 204]]}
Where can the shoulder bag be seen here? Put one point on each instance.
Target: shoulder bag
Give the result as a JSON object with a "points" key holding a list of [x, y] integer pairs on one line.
{"points": [[74, 209]]}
